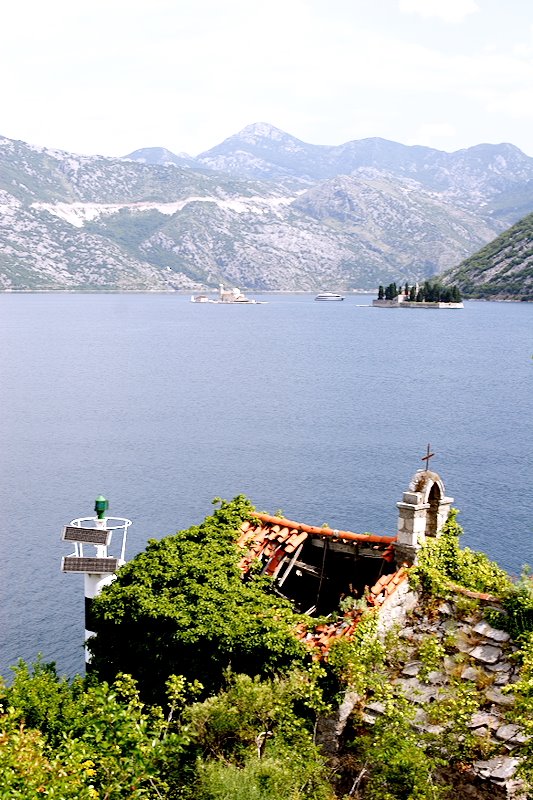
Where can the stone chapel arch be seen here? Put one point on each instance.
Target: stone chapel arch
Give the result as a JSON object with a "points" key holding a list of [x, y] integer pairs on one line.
{"points": [[432, 516], [423, 510]]}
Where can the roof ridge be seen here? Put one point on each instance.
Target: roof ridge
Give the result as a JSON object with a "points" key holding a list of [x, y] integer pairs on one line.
{"points": [[283, 522]]}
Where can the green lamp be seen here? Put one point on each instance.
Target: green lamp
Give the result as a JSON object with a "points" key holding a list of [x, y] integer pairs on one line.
{"points": [[100, 506]]}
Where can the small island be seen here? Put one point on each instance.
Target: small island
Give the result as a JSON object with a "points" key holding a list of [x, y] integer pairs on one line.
{"points": [[431, 294]]}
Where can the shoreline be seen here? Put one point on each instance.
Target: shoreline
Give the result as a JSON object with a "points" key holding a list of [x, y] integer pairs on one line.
{"points": [[186, 292]]}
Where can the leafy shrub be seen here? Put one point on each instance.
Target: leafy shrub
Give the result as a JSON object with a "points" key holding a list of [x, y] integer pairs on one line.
{"points": [[104, 743], [518, 606], [430, 652], [29, 772], [258, 736], [228, 724], [182, 607], [442, 562], [395, 763], [356, 662], [262, 779]]}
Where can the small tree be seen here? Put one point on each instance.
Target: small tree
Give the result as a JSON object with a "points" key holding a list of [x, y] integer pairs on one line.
{"points": [[456, 295], [428, 292], [380, 292]]}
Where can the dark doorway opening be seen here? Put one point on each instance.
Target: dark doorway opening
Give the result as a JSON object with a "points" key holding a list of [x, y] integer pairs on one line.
{"points": [[321, 577]]}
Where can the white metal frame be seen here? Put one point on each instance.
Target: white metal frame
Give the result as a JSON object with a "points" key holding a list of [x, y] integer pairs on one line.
{"points": [[118, 524]]}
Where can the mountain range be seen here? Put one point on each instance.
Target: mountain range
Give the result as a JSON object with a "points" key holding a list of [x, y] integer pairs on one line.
{"points": [[262, 210]]}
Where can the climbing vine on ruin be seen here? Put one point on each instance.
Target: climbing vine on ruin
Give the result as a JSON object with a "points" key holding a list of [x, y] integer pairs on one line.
{"points": [[442, 562], [182, 607]]}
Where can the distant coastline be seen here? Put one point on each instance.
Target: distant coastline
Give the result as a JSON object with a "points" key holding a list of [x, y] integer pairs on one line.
{"points": [[281, 292]]}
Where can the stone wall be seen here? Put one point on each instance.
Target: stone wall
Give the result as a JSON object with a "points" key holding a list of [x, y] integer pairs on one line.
{"points": [[410, 304], [486, 779], [396, 608], [474, 652]]}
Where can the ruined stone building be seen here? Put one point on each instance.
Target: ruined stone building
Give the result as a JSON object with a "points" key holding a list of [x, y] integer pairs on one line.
{"points": [[338, 574], [320, 569]]}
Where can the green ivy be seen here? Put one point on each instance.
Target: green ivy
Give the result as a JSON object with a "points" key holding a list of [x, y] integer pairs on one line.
{"points": [[443, 562], [430, 652], [357, 662], [181, 607]]}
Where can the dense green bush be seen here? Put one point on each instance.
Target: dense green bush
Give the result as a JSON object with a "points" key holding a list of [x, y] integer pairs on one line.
{"points": [[89, 740], [182, 607], [256, 740], [517, 617], [82, 740], [431, 291], [358, 662]]}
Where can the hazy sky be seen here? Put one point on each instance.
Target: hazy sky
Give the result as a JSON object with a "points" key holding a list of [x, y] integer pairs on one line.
{"points": [[110, 76]]}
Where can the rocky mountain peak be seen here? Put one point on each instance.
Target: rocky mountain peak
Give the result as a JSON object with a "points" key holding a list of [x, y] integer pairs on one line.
{"points": [[257, 139], [262, 210], [159, 155], [263, 130]]}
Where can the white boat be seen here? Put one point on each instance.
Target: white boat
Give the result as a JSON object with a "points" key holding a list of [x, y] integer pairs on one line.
{"points": [[329, 296]]}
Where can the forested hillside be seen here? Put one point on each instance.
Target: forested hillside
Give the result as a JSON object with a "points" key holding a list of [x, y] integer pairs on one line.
{"points": [[502, 270]]}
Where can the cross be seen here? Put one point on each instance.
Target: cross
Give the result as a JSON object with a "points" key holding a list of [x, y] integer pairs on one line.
{"points": [[426, 458]]}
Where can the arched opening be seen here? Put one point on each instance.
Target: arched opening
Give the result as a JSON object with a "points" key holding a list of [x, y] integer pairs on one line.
{"points": [[434, 498]]}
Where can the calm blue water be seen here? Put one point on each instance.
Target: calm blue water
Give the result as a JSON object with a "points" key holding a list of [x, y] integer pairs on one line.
{"points": [[322, 410]]}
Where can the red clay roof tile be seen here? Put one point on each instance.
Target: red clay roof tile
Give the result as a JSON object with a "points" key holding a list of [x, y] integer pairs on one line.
{"points": [[275, 538], [294, 542], [325, 531]]}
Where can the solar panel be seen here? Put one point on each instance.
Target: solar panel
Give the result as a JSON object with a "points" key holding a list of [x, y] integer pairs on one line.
{"points": [[85, 535], [94, 565]]}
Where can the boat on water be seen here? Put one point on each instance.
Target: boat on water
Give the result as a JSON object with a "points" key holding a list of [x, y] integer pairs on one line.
{"points": [[329, 296]]}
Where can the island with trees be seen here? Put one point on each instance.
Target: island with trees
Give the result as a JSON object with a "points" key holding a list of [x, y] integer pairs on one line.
{"points": [[430, 294]]}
